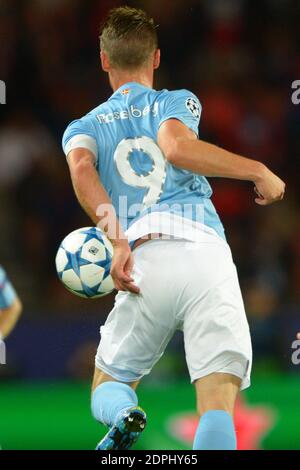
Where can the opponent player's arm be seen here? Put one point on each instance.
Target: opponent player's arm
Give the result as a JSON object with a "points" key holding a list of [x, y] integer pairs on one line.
{"points": [[9, 317], [10, 306], [95, 201], [181, 148]]}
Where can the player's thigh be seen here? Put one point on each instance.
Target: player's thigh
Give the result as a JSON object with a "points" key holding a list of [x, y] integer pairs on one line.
{"points": [[215, 327], [100, 377], [139, 327], [133, 338], [217, 391]]}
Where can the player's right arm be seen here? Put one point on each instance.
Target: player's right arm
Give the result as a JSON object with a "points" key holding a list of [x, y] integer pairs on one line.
{"points": [[181, 148], [92, 196]]}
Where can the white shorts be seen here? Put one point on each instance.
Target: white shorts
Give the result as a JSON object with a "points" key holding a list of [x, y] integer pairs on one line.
{"points": [[184, 285]]}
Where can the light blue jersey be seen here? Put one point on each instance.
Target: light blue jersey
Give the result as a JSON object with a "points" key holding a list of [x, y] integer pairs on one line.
{"points": [[122, 134], [7, 292]]}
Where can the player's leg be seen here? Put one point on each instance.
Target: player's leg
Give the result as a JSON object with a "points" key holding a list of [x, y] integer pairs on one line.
{"points": [[216, 396], [111, 398], [100, 377], [115, 404], [217, 391], [132, 340], [217, 342]]}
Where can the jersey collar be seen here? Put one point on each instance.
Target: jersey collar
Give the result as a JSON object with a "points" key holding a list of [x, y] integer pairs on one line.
{"points": [[127, 86]]}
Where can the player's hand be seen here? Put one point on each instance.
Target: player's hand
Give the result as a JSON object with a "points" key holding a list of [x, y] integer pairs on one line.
{"points": [[269, 188], [121, 267]]}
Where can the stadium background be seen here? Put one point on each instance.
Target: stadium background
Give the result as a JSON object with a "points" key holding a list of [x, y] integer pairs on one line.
{"points": [[240, 57]]}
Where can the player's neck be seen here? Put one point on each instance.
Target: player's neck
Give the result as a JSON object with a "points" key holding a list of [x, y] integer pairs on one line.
{"points": [[118, 79]]}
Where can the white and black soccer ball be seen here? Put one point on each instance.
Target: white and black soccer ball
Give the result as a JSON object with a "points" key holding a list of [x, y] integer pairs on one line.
{"points": [[83, 263]]}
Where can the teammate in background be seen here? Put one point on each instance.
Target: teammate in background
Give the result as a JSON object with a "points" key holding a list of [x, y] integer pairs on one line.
{"points": [[171, 264], [10, 306]]}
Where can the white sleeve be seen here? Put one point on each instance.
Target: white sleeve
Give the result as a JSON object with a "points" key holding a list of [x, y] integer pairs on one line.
{"points": [[81, 141]]}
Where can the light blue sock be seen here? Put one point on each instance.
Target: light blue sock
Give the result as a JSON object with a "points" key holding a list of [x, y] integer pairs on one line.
{"points": [[110, 399], [215, 432]]}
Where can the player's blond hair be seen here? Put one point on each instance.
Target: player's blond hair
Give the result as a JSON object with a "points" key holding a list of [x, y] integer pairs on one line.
{"points": [[128, 36]]}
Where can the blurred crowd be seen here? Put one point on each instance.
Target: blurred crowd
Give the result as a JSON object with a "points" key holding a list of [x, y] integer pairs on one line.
{"points": [[238, 56]]}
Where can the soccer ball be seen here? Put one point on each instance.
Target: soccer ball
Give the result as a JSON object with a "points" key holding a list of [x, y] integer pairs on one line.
{"points": [[83, 263]]}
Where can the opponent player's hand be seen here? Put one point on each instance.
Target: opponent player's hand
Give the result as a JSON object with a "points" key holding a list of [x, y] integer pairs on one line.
{"points": [[121, 267], [268, 187]]}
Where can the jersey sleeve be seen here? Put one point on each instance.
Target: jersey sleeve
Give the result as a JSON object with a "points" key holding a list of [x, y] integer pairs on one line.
{"points": [[184, 106], [7, 293], [80, 134]]}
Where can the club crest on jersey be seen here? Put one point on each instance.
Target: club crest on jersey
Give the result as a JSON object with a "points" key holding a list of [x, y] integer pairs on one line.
{"points": [[126, 91], [193, 106]]}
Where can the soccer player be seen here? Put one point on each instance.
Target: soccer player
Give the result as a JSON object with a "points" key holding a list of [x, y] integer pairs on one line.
{"points": [[10, 306], [138, 170]]}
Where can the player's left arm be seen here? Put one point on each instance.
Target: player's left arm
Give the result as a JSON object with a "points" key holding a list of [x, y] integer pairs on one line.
{"points": [[92, 197], [182, 148], [177, 137]]}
